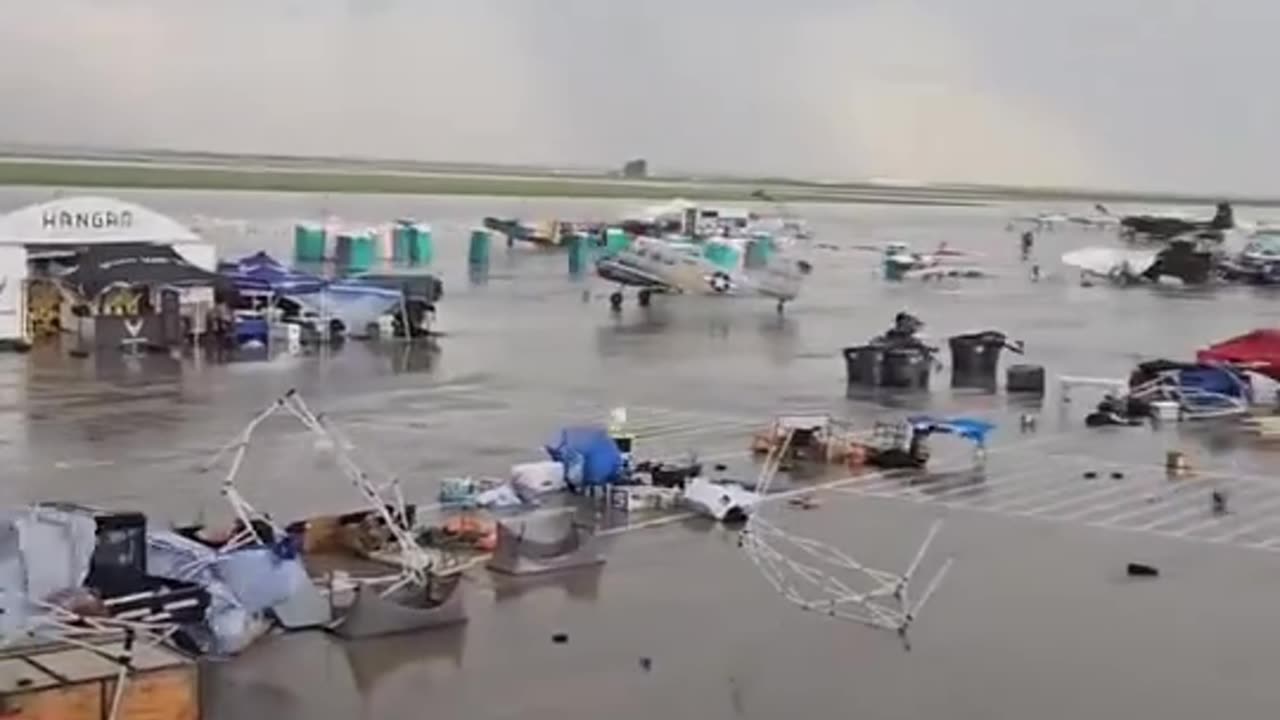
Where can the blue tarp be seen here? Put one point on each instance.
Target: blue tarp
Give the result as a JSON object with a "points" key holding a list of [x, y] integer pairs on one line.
{"points": [[971, 429], [589, 455], [262, 273], [1217, 380]]}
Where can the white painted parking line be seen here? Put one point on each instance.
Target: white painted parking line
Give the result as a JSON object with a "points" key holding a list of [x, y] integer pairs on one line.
{"points": [[1256, 516], [1052, 485], [1059, 487], [983, 487], [1052, 508], [1268, 544], [1197, 506], [1161, 500]]}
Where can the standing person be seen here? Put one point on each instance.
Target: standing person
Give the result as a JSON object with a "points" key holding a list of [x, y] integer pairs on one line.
{"points": [[1028, 241]]}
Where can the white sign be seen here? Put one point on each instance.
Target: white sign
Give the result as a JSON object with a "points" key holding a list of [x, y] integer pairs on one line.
{"points": [[81, 220]]}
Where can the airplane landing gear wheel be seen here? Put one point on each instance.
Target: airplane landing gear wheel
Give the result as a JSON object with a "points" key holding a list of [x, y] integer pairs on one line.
{"points": [[643, 298], [615, 301], [782, 306]]}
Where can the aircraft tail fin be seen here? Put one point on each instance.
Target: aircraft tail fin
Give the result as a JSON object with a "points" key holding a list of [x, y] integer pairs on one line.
{"points": [[1224, 218]]}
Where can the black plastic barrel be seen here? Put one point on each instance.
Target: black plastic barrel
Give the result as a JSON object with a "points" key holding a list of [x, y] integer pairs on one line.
{"points": [[862, 364], [975, 357], [906, 367], [1024, 379]]}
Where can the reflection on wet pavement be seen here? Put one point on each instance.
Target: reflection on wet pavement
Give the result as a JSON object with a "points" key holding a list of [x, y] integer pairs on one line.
{"points": [[1034, 621]]}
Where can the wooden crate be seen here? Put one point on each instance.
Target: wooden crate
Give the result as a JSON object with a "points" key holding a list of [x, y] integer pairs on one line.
{"points": [[29, 693], [78, 684]]}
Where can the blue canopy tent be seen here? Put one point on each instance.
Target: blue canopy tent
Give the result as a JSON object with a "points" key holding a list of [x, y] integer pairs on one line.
{"points": [[1202, 390], [354, 303], [262, 274], [971, 429]]}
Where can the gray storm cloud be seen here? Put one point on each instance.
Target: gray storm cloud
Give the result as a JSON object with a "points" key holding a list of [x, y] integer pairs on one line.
{"points": [[1157, 94]]}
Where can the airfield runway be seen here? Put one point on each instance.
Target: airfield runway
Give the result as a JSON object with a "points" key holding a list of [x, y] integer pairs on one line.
{"points": [[1036, 619]]}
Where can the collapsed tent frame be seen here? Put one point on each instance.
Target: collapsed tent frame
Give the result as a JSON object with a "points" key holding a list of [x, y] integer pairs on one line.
{"points": [[888, 605], [385, 500]]}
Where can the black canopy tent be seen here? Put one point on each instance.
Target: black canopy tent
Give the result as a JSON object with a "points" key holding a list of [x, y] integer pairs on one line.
{"points": [[102, 267]]}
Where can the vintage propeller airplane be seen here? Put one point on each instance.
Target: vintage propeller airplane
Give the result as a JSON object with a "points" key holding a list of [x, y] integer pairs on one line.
{"points": [[659, 266]]}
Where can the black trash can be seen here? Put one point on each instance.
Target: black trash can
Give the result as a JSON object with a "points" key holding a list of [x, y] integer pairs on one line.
{"points": [[862, 364], [906, 367], [975, 357]]}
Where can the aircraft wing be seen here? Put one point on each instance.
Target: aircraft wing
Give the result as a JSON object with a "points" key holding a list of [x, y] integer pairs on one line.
{"points": [[613, 270], [1105, 260]]}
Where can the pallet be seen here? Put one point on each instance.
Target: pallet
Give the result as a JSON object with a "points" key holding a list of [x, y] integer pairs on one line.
{"points": [[79, 684]]}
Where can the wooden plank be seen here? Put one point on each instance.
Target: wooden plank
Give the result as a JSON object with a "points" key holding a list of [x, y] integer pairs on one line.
{"points": [[76, 665], [172, 694], [67, 702], [151, 657], [21, 676]]}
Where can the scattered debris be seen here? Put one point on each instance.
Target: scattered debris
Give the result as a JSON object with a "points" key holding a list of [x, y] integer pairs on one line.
{"points": [[805, 502], [1218, 500], [560, 638], [1142, 570], [784, 558]]}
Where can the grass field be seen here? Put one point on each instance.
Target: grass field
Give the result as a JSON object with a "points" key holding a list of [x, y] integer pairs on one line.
{"points": [[304, 175], [68, 174]]}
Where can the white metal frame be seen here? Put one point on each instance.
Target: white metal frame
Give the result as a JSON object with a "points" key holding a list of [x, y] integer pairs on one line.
{"points": [[888, 605], [1164, 387], [414, 561]]}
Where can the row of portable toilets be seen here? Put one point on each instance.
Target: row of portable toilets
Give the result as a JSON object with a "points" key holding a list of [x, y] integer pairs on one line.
{"points": [[408, 243], [975, 362], [411, 243]]}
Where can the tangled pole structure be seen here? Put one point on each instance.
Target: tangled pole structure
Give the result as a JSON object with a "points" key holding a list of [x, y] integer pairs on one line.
{"points": [[820, 577]]}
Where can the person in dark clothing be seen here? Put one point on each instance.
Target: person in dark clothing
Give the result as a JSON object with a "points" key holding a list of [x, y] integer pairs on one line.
{"points": [[1028, 242]]}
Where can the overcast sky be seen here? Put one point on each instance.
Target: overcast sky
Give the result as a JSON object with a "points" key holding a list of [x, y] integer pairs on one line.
{"points": [[1158, 94]]}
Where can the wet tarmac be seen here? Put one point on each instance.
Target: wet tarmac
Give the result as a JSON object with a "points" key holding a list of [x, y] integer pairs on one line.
{"points": [[1035, 620]]}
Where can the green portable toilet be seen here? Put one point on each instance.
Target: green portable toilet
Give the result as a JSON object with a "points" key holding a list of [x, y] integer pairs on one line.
{"points": [[402, 235], [721, 254], [421, 249], [308, 242], [356, 250], [616, 240], [579, 253], [478, 250]]}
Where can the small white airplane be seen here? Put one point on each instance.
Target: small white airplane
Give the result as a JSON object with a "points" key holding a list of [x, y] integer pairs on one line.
{"points": [[662, 267], [1102, 218]]}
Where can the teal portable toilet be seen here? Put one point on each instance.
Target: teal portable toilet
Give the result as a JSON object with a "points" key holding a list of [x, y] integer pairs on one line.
{"points": [[308, 242], [421, 249], [579, 253], [478, 249], [356, 251], [402, 236], [616, 240], [721, 254], [759, 250]]}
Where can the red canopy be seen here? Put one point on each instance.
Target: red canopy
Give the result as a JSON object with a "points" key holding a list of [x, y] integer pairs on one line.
{"points": [[1258, 351]]}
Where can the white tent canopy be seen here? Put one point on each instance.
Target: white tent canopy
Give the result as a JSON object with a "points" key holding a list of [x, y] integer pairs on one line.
{"points": [[90, 220]]}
